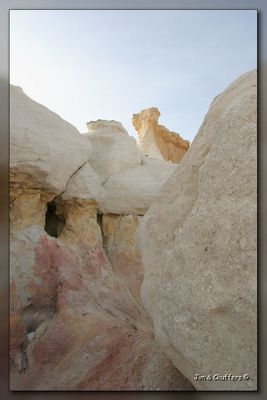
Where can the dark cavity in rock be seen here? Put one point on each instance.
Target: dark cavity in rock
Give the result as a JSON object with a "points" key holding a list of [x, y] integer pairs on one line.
{"points": [[54, 223]]}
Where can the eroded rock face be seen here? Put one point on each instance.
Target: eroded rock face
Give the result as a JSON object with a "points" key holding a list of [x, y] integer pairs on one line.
{"points": [[198, 244], [133, 190], [84, 184], [76, 318], [113, 149], [77, 321], [45, 150], [155, 140], [120, 246]]}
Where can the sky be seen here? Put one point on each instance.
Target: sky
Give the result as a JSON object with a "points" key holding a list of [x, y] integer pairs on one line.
{"points": [[108, 64]]}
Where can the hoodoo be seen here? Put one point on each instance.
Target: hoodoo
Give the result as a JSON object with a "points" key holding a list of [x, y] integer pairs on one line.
{"points": [[155, 140]]}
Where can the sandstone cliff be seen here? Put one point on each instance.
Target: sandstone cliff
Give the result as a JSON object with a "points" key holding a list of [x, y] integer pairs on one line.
{"points": [[198, 244], [155, 140], [76, 318]]}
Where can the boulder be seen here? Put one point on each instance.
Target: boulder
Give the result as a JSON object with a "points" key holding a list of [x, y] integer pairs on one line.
{"points": [[198, 242], [113, 149], [133, 190], [84, 184], [45, 150]]}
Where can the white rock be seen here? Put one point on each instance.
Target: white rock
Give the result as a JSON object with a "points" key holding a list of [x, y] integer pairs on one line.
{"points": [[43, 147], [132, 191], [30, 336], [198, 243], [23, 247], [84, 184], [113, 149]]}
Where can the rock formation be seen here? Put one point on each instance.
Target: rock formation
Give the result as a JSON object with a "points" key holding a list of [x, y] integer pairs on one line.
{"points": [[77, 203], [76, 318], [155, 140], [41, 143], [198, 243], [133, 190], [113, 149]]}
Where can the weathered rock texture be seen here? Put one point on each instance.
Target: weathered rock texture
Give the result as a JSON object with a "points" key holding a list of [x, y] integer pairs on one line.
{"points": [[157, 141], [42, 144], [76, 318], [113, 149], [130, 180], [77, 321], [198, 243], [84, 184], [133, 190], [120, 246]]}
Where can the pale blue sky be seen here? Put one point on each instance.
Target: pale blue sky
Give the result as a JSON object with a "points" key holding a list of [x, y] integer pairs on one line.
{"points": [[87, 65]]}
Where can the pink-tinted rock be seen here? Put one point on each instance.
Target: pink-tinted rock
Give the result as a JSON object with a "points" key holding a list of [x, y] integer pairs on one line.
{"points": [[77, 322], [76, 318]]}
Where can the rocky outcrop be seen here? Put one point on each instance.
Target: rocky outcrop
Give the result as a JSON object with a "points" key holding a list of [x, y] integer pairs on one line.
{"points": [[155, 140], [113, 149], [198, 244], [84, 184], [41, 143], [77, 322], [133, 190], [76, 318], [130, 180]]}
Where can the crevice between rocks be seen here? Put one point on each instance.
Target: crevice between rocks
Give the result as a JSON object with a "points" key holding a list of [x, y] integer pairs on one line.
{"points": [[24, 357], [99, 219]]}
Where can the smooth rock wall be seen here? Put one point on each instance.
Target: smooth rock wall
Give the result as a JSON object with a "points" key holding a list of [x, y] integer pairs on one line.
{"points": [[199, 247]]}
